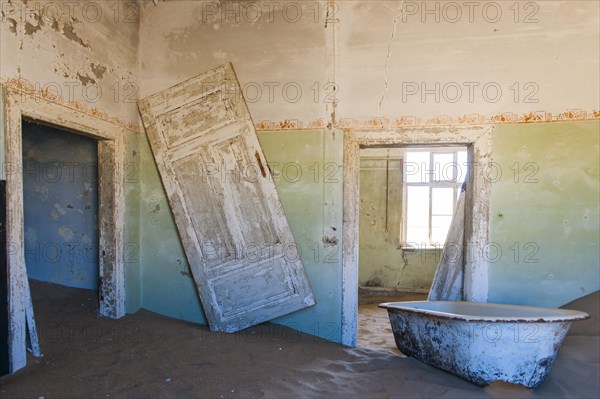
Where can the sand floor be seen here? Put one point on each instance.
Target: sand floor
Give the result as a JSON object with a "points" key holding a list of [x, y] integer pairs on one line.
{"points": [[150, 356]]}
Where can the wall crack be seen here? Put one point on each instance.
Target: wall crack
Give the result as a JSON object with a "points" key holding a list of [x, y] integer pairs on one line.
{"points": [[397, 15]]}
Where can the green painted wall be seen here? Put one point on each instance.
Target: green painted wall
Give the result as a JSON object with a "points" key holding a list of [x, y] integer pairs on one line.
{"points": [[545, 203], [313, 204], [133, 190], [167, 285], [308, 175], [382, 262], [558, 215]]}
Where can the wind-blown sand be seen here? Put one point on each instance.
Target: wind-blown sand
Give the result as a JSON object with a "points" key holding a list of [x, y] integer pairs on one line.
{"points": [[150, 356]]}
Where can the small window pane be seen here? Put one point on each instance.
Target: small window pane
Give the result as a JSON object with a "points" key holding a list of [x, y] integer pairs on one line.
{"points": [[417, 167], [439, 228], [461, 160], [417, 222], [442, 201], [444, 167]]}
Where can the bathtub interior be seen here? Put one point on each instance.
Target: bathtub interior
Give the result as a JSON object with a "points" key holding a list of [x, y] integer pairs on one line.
{"points": [[481, 311]]}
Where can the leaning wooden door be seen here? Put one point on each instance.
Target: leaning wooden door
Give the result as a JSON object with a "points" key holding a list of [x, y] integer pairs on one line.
{"points": [[235, 234]]}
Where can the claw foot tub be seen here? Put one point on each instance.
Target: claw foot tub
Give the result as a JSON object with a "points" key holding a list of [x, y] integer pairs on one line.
{"points": [[482, 342]]}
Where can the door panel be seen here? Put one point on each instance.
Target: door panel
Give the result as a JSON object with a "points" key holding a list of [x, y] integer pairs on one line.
{"points": [[224, 202]]}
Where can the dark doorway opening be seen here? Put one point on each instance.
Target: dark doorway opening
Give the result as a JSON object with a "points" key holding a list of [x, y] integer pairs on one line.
{"points": [[4, 364], [60, 203]]}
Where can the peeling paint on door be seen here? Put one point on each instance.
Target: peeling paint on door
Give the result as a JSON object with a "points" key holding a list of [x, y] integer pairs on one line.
{"points": [[230, 220]]}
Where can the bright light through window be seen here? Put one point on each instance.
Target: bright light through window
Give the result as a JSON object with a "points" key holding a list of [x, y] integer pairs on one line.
{"points": [[433, 179]]}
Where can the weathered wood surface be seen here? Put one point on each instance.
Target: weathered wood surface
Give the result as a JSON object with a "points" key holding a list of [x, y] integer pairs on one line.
{"points": [[16, 106], [231, 223], [31, 326]]}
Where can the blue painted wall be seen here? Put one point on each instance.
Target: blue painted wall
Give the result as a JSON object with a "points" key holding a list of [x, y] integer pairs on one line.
{"points": [[60, 188]]}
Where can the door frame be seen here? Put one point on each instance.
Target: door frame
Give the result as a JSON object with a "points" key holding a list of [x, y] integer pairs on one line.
{"points": [[18, 106], [478, 140]]}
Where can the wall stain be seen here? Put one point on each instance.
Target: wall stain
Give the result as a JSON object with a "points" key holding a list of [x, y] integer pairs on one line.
{"points": [[12, 27], [85, 80], [374, 281], [98, 70], [185, 273], [30, 29], [330, 241], [69, 33]]}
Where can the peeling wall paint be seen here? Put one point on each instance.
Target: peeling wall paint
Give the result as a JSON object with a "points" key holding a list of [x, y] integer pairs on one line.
{"points": [[84, 57], [384, 62], [82, 53], [365, 59]]}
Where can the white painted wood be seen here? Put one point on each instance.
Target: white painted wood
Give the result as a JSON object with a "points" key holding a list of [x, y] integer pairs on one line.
{"points": [[111, 220], [17, 274], [478, 139], [31, 327], [111, 215], [228, 214], [351, 243]]}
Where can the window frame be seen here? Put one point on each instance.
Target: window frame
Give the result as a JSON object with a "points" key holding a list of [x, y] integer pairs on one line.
{"points": [[406, 244]]}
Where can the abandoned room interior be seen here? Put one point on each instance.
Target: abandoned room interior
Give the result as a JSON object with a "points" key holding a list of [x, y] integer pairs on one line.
{"points": [[294, 198]]}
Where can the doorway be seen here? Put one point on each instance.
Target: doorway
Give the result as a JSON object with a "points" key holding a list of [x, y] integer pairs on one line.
{"points": [[478, 141], [60, 206], [110, 152], [408, 196]]}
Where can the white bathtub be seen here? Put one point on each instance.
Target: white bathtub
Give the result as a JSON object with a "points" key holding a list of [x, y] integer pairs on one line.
{"points": [[482, 342]]}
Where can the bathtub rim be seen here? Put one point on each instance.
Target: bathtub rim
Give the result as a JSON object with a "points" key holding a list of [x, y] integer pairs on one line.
{"points": [[567, 315]]}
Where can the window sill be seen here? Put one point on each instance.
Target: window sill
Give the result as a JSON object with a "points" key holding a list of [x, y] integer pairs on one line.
{"points": [[410, 248]]}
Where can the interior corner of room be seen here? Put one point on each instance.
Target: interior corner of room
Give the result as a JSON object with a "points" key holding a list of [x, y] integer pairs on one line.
{"points": [[222, 165]]}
